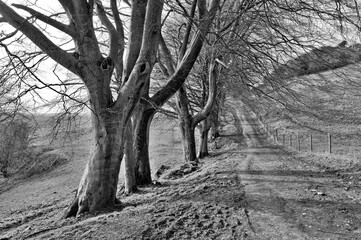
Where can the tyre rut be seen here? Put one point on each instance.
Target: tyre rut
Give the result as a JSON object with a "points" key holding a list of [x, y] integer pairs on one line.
{"points": [[287, 198]]}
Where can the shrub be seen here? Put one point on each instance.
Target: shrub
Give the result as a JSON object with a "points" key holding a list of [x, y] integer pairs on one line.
{"points": [[14, 140]]}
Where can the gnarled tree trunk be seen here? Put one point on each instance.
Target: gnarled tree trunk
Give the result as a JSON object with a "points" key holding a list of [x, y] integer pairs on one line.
{"points": [[98, 186], [97, 189], [203, 140], [142, 117], [187, 122], [187, 126], [176, 77]]}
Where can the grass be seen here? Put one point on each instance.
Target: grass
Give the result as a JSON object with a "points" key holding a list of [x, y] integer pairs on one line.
{"points": [[331, 106]]}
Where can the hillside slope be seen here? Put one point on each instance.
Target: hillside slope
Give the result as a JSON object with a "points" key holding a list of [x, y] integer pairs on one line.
{"points": [[257, 192]]}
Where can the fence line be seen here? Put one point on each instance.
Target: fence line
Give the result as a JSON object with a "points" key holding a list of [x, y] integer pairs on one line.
{"points": [[295, 140]]}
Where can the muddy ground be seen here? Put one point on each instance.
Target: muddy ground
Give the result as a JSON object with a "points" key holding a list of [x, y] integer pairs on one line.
{"points": [[257, 190]]}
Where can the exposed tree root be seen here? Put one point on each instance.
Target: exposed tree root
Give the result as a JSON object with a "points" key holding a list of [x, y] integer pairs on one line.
{"points": [[75, 210], [72, 209]]}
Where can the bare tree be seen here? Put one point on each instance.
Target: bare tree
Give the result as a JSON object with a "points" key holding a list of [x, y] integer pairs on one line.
{"points": [[110, 114], [175, 77], [114, 88]]}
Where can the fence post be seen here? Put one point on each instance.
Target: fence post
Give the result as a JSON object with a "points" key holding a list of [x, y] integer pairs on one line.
{"points": [[291, 140], [284, 139], [329, 143], [311, 143], [298, 142], [276, 134]]}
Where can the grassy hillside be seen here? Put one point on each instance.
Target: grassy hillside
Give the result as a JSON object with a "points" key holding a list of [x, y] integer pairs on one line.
{"points": [[322, 104]]}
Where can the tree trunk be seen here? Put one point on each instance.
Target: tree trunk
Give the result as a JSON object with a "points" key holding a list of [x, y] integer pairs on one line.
{"points": [[142, 117], [98, 186], [188, 139], [130, 185], [203, 144], [186, 126], [215, 127]]}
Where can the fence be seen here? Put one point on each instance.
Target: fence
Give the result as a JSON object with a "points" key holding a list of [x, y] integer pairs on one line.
{"points": [[335, 143]]}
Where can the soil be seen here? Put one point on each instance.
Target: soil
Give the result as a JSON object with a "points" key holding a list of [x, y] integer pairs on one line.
{"points": [[250, 188]]}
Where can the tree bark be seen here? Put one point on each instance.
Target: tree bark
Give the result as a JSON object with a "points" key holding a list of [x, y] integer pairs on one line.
{"points": [[130, 185], [187, 122], [143, 117], [188, 139], [176, 78], [98, 186], [215, 127], [203, 141], [97, 189], [186, 125]]}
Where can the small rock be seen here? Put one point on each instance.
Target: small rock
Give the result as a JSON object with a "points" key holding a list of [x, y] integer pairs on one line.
{"points": [[218, 211]]}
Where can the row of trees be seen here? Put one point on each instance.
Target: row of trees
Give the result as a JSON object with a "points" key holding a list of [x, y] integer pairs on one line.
{"points": [[132, 58]]}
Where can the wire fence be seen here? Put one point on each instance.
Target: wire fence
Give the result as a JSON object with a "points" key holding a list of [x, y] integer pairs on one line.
{"points": [[318, 142]]}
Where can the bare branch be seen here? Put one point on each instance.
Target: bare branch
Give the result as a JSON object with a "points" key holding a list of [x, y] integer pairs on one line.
{"points": [[68, 29], [165, 53], [37, 37], [121, 41], [113, 34], [212, 79], [177, 79], [140, 74], [135, 36], [45, 85], [188, 30]]}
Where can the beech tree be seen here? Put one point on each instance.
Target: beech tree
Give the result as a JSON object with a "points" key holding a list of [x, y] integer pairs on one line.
{"points": [[188, 122], [177, 73], [114, 86], [110, 112], [187, 116]]}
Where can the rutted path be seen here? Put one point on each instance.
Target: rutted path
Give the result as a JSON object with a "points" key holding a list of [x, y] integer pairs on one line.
{"points": [[288, 198]]}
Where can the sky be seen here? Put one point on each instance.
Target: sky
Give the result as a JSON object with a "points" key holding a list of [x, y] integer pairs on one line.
{"points": [[45, 72], [45, 6]]}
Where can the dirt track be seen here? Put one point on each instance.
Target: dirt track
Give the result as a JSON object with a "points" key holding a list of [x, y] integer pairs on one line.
{"points": [[289, 197], [257, 192]]}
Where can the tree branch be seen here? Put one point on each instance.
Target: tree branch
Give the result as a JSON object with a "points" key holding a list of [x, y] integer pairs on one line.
{"points": [[188, 30], [212, 92], [56, 24], [184, 67], [140, 75], [45, 85], [121, 41], [38, 38], [113, 34], [135, 36], [165, 53]]}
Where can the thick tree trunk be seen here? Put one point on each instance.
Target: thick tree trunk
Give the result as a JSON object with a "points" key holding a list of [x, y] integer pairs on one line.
{"points": [[186, 126], [130, 185], [142, 117], [215, 128], [215, 114], [203, 141], [188, 139], [98, 186]]}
